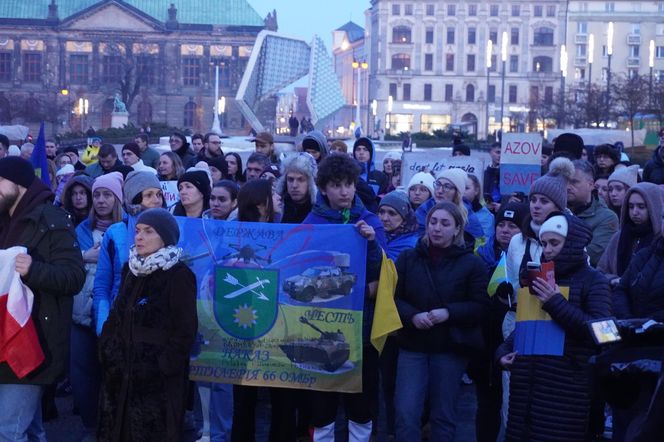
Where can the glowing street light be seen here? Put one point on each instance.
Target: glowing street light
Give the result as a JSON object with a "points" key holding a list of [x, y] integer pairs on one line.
{"points": [[489, 53], [651, 65], [359, 66], [563, 71], [609, 53], [503, 57]]}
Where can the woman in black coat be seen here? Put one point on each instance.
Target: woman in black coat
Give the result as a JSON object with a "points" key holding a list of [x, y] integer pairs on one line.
{"points": [[145, 343], [550, 396]]}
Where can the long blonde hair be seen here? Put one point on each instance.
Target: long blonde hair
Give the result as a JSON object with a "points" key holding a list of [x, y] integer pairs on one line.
{"points": [[457, 214]]}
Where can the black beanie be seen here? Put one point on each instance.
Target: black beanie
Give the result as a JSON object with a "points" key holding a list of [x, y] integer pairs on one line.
{"points": [[465, 150], [200, 179], [17, 170], [515, 212], [569, 143], [163, 222]]}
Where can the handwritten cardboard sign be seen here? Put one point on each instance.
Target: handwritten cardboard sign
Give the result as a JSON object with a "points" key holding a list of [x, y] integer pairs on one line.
{"points": [[437, 160]]}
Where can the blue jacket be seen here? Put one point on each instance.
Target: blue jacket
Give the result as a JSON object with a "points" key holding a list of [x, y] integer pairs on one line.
{"points": [[487, 253], [399, 243], [84, 235], [113, 254], [486, 220], [375, 178], [81, 310], [473, 225]]}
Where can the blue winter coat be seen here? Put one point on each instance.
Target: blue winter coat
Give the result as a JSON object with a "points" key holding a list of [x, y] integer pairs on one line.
{"points": [[473, 225], [487, 252], [113, 254], [399, 243], [486, 220]]}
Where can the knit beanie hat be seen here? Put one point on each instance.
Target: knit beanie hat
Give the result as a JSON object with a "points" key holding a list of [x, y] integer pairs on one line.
{"points": [[553, 185], [608, 150], [17, 170], [626, 175], [514, 212], [456, 176], [572, 144], [465, 150], [397, 200], [111, 181], [136, 182], [200, 179], [220, 164], [554, 224], [14, 151], [163, 222], [133, 147], [423, 178]]}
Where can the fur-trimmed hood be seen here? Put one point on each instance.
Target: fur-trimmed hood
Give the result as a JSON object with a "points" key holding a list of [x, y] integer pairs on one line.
{"points": [[300, 162]]}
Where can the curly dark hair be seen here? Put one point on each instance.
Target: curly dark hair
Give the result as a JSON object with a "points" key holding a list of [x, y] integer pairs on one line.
{"points": [[337, 169]]}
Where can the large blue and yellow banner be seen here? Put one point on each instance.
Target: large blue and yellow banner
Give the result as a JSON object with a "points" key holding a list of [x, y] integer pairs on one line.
{"points": [[536, 332], [278, 305]]}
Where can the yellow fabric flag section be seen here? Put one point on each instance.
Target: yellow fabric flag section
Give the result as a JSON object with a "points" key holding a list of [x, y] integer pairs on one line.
{"points": [[386, 318], [529, 307]]}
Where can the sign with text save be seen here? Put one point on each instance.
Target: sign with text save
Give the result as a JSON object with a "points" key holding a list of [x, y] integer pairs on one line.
{"points": [[520, 162], [279, 305], [436, 160]]}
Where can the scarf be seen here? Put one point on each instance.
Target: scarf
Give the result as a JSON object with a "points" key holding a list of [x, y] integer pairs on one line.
{"points": [[103, 224], [164, 259]]}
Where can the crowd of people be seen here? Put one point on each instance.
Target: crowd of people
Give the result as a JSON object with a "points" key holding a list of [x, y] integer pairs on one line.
{"points": [[115, 308]]}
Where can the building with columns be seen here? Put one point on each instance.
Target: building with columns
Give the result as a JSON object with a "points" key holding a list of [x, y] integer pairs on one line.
{"points": [[64, 61]]}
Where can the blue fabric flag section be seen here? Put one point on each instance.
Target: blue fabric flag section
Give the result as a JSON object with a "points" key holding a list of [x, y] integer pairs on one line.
{"points": [[38, 158], [536, 333]]}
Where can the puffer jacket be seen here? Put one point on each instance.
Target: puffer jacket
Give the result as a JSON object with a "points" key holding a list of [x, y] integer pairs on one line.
{"points": [[82, 308], [653, 172]]}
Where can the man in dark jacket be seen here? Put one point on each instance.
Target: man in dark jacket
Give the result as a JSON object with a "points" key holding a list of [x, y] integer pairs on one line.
{"points": [[365, 154], [53, 269], [654, 170], [107, 162]]}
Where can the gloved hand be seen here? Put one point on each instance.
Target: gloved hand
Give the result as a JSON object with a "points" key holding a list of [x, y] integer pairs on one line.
{"points": [[504, 291]]}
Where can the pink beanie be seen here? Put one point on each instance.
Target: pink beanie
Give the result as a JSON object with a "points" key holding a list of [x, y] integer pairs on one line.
{"points": [[111, 181]]}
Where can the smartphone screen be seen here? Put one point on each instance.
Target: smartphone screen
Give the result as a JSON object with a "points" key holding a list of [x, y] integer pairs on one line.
{"points": [[605, 331]]}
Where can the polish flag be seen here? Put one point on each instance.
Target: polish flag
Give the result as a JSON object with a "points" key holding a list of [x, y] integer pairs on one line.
{"points": [[19, 343]]}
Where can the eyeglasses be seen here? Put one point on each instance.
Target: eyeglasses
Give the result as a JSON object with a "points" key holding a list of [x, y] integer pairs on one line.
{"points": [[445, 186]]}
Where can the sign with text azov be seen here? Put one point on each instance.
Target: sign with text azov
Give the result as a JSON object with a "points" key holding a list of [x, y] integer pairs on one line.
{"points": [[520, 162]]}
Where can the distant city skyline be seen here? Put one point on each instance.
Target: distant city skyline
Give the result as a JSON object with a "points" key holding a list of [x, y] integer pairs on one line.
{"points": [[318, 17]]}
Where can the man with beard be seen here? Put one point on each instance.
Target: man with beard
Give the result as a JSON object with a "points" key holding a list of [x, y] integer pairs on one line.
{"points": [[53, 269]]}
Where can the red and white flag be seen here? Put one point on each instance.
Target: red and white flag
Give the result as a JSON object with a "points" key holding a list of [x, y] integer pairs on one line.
{"points": [[19, 343]]}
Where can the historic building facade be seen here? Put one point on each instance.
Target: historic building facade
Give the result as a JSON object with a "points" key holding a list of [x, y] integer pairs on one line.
{"points": [[64, 62]]}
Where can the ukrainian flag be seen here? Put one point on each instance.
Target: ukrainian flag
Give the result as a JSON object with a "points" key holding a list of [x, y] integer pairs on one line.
{"points": [[386, 317], [536, 332], [499, 275]]}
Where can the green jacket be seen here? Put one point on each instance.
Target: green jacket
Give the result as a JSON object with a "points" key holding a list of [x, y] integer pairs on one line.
{"points": [[604, 223]]}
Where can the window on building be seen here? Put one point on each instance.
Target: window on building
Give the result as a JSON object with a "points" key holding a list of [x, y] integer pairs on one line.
{"points": [[5, 66], [449, 62], [604, 51], [427, 92], [538, 10], [190, 114], [400, 61], [79, 69], [543, 36], [450, 35], [636, 28], [111, 68], [470, 62], [548, 95], [659, 52], [582, 27], [632, 73], [191, 71], [406, 92], [470, 93], [579, 74], [431, 10], [396, 9], [451, 10], [609, 7], [634, 50], [514, 36], [393, 91], [512, 94], [428, 36], [493, 36], [580, 50], [428, 62], [491, 95], [472, 10], [146, 69], [542, 64], [408, 9], [449, 92], [494, 62], [534, 95], [401, 34], [514, 63], [493, 10], [32, 67], [472, 35], [551, 11], [659, 29], [516, 10]]}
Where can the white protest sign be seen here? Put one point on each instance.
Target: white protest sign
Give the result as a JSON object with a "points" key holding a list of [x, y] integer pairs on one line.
{"points": [[170, 191], [520, 162], [436, 160]]}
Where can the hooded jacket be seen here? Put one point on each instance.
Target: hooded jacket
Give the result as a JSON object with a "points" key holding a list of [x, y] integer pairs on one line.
{"points": [[375, 178], [654, 170], [306, 165], [56, 274], [319, 138], [631, 237], [85, 182]]}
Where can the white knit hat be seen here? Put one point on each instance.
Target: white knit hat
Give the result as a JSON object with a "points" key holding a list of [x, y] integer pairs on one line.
{"points": [[626, 175], [456, 176], [423, 178], [555, 224]]}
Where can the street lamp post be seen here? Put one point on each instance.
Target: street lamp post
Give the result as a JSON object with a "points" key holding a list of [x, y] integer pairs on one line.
{"points": [[83, 107], [609, 53], [216, 126], [374, 111], [563, 72], [591, 56], [489, 50], [359, 66], [221, 108], [651, 65], [503, 57], [390, 102]]}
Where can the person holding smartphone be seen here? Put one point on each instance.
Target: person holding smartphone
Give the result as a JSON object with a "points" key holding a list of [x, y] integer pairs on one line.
{"points": [[551, 395]]}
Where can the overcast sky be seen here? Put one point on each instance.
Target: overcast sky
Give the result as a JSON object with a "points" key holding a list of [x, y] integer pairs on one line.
{"points": [[321, 17]]}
